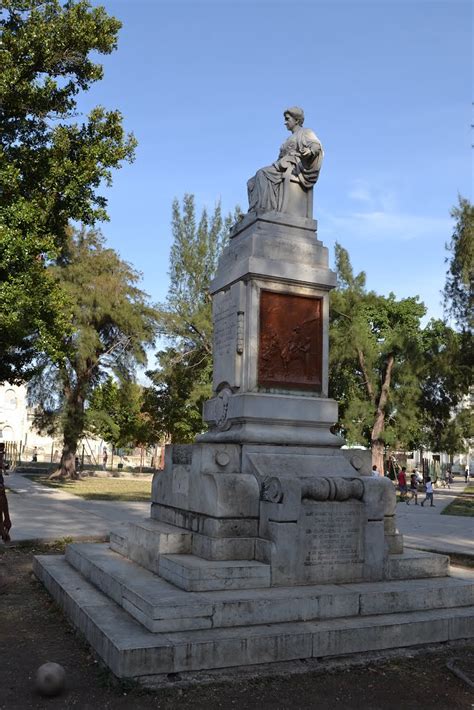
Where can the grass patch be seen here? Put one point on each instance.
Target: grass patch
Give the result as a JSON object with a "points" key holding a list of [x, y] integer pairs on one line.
{"points": [[91, 488], [463, 504]]}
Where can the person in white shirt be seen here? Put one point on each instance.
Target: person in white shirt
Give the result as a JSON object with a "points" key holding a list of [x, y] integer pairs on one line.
{"points": [[429, 493]]}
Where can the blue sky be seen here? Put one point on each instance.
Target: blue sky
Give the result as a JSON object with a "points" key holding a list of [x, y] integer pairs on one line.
{"points": [[386, 86]]}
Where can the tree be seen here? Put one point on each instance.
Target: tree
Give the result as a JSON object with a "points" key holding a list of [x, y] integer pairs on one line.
{"points": [[116, 413], [458, 290], [183, 379], [112, 322], [375, 347], [444, 379], [51, 167]]}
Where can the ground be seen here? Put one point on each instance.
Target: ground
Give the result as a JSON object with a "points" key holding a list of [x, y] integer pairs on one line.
{"points": [[33, 630]]}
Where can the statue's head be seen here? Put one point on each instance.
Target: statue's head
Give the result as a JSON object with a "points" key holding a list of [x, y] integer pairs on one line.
{"points": [[295, 112]]}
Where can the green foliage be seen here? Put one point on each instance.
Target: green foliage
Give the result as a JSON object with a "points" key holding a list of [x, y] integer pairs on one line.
{"points": [[458, 290], [397, 384], [180, 386], [111, 321], [445, 377], [115, 413], [51, 167], [182, 381], [375, 347]]}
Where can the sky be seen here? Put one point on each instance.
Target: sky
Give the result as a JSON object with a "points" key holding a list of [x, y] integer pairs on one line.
{"points": [[386, 86]]}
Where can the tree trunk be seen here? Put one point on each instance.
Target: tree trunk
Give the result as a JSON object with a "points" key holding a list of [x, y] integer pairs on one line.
{"points": [[73, 430], [376, 442], [378, 448]]}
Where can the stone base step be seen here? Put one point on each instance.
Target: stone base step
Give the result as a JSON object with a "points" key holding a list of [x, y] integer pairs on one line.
{"points": [[195, 574], [118, 539], [161, 607], [416, 564], [131, 651], [144, 542], [147, 540]]}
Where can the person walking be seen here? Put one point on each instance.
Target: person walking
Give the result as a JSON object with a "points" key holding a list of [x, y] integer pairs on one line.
{"points": [[429, 493], [5, 522], [105, 456], [466, 474], [413, 488], [402, 483], [449, 477]]}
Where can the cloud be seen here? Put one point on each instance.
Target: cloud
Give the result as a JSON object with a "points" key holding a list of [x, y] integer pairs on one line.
{"points": [[360, 193], [375, 198]]}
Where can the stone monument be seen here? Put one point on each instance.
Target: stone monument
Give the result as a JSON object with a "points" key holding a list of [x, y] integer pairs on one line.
{"points": [[267, 542]]}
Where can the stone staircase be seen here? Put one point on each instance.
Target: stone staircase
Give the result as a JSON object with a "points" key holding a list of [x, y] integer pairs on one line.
{"points": [[150, 605]]}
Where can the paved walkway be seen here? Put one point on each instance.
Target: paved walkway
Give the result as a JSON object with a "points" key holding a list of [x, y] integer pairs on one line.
{"points": [[41, 513], [426, 529]]}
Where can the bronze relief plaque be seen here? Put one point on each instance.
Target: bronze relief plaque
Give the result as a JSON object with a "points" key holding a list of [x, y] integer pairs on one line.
{"points": [[290, 350]]}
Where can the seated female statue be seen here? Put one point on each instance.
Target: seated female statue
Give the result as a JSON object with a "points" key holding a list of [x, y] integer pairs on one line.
{"points": [[301, 156]]}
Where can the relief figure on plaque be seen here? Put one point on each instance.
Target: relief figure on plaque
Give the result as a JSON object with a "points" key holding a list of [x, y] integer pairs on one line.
{"points": [[290, 341], [300, 157], [297, 350]]}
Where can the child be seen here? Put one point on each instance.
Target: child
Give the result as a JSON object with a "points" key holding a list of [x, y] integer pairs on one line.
{"points": [[429, 493]]}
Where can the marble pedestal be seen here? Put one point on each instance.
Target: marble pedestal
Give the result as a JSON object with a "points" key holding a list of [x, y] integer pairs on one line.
{"points": [[266, 541]]}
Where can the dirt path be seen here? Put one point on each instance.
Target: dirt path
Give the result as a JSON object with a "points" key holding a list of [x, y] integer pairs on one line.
{"points": [[33, 631]]}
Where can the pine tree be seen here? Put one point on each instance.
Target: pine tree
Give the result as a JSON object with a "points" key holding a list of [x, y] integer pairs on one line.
{"points": [[182, 381], [111, 323]]}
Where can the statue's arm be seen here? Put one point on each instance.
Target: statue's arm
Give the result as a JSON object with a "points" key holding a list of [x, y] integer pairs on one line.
{"points": [[310, 144]]}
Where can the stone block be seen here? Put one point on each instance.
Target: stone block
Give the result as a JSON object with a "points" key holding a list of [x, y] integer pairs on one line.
{"points": [[150, 539], [118, 539], [461, 625], [414, 564], [394, 544], [294, 462], [204, 524], [227, 648], [229, 495], [374, 550], [171, 486], [342, 637], [223, 548], [379, 497], [210, 458], [195, 574]]}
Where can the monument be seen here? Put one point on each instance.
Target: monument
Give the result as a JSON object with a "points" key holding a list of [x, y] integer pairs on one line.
{"points": [[266, 542]]}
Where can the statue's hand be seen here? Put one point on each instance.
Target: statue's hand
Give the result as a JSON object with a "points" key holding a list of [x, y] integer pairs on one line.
{"points": [[287, 162], [305, 153]]}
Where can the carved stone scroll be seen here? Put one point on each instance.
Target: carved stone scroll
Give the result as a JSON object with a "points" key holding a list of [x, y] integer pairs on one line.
{"points": [[338, 489]]}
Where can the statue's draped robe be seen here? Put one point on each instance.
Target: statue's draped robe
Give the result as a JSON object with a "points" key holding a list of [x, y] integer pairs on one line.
{"points": [[265, 189]]}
